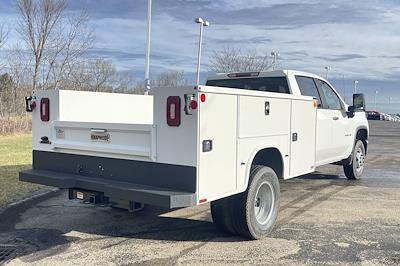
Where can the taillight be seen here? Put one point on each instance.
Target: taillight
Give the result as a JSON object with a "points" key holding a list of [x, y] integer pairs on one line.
{"points": [[174, 111], [45, 109], [202, 97], [193, 104]]}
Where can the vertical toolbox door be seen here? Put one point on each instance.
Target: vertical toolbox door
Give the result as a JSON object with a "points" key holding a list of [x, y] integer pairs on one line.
{"points": [[302, 147], [218, 128]]}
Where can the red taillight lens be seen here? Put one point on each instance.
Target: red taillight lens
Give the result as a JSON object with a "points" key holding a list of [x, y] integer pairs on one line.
{"points": [[202, 97], [174, 111], [45, 109], [193, 105]]}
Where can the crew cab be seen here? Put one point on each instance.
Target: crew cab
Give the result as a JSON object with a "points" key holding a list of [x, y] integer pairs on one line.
{"points": [[226, 143]]}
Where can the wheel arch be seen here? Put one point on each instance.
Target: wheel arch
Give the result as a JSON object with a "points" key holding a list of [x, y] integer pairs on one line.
{"points": [[266, 156], [362, 134]]}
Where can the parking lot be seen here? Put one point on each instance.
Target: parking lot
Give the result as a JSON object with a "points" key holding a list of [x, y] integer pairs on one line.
{"points": [[324, 219]]}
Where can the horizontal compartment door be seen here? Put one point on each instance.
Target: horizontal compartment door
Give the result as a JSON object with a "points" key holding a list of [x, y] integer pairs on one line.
{"points": [[125, 139]]}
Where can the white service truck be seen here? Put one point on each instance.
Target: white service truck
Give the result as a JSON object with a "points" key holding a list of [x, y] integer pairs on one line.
{"points": [[226, 143]]}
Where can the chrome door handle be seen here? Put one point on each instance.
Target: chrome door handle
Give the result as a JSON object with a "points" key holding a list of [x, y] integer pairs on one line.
{"points": [[335, 118]]}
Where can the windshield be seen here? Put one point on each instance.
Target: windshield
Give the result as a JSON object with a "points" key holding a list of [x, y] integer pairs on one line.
{"points": [[270, 84]]}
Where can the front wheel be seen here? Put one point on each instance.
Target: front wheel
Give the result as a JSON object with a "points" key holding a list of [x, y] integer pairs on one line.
{"points": [[355, 169]]}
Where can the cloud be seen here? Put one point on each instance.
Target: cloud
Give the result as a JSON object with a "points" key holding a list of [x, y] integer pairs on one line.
{"points": [[351, 36], [340, 58]]}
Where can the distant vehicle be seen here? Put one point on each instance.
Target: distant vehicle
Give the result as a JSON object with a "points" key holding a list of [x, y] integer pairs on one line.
{"points": [[373, 115], [387, 117], [226, 143]]}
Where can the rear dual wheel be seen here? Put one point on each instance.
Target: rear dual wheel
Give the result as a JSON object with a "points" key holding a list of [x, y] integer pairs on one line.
{"points": [[253, 213]]}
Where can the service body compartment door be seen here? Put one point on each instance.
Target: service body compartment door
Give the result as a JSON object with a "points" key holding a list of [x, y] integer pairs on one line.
{"points": [[218, 133], [303, 126]]}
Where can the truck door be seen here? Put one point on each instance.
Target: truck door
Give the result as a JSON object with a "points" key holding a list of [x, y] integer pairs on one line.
{"points": [[324, 135], [341, 135]]}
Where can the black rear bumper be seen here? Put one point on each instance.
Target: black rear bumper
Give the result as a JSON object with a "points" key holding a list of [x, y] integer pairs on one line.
{"points": [[111, 188], [171, 186]]}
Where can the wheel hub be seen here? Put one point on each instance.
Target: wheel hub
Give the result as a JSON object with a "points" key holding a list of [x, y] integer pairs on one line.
{"points": [[360, 160], [264, 203]]}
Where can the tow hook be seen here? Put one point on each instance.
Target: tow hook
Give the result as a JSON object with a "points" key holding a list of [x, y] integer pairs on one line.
{"points": [[30, 104]]}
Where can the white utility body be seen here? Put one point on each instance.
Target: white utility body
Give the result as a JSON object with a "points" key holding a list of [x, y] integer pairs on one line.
{"points": [[226, 143]]}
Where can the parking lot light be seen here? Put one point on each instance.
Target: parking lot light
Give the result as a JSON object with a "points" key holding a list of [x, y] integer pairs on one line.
{"points": [[355, 86], [203, 23]]}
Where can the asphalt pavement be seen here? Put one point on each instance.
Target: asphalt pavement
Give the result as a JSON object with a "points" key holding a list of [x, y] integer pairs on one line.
{"points": [[324, 219]]}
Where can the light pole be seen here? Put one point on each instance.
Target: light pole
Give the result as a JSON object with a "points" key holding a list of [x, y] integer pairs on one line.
{"points": [[376, 94], [327, 68], [344, 89], [275, 55], [148, 45], [203, 23], [355, 86]]}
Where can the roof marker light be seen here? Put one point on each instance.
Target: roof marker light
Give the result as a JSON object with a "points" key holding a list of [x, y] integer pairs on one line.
{"points": [[244, 74]]}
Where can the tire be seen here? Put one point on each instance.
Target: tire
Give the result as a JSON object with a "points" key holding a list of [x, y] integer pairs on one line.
{"points": [[257, 208], [355, 169], [222, 214]]}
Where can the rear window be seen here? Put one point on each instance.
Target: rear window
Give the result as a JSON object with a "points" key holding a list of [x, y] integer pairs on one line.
{"points": [[270, 84]]}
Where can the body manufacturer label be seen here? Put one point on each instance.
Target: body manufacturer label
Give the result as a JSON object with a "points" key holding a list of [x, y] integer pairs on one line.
{"points": [[100, 137]]}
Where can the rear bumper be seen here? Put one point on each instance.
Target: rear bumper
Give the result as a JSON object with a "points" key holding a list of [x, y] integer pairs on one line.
{"points": [[171, 186], [111, 188]]}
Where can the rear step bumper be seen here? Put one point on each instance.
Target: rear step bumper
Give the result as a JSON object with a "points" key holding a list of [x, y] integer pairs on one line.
{"points": [[111, 188]]}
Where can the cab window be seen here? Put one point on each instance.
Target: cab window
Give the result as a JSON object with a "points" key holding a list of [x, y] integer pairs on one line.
{"points": [[269, 84], [308, 88], [331, 98]]}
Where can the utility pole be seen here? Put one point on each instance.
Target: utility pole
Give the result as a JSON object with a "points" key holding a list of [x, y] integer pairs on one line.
{"points": [[147, 86], [376, 94]]}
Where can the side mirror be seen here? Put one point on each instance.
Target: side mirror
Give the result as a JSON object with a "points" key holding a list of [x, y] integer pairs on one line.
{"points": [[359, 101], [358, 104]]}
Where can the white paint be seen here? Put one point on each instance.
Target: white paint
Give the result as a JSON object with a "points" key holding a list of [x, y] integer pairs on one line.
{"points": [[235, 120]]}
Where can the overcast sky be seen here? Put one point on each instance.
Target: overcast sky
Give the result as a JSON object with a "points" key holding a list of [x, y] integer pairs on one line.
{"points": [[358, 39]]}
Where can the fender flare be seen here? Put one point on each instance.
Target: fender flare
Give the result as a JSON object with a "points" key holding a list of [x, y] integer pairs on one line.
{"points": [[253, 155], [356, 132]]}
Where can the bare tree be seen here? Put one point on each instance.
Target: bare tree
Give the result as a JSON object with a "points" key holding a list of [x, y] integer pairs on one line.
{"points": [[54, 39], [72, 40], [101, 72], [3, 34], [93, 75], [235, 60], [124, 82], [171, 79]]}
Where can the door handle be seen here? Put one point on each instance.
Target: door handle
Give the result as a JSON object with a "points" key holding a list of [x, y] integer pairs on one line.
{"points": [[335, 118]]}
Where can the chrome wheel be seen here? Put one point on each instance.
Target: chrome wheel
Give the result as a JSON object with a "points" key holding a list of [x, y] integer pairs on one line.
{"points": [[360, 160], [264, 203]]}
